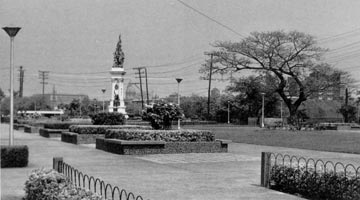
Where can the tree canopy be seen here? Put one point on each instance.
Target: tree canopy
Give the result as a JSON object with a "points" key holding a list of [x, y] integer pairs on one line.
{"points": [[291, 61]]}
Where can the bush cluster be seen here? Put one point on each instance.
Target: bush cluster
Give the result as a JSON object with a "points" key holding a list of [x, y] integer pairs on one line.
{"points": [[107, 118], [161, 115], [161, 135], [49, 184], [57, 125], [101, 129], [312, 185], [14, 156]]}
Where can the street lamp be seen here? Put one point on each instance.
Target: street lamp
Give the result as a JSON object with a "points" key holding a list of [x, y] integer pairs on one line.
{"points": [[103, 91], [262, 110], [178, 94], [11, 31], [228, 112]]}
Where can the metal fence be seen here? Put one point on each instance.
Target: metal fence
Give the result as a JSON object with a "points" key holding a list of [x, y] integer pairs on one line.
{"points": [[268, 160], [96, 185]]}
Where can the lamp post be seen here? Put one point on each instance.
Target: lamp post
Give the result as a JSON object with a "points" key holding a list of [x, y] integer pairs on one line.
{"points": [[103, 91], [228, 112], [262, 110], [178, 81], [11, 31]]}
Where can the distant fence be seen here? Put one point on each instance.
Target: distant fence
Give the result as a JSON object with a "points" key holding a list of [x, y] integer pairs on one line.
{"points": [[268, 160], [91, 183]]}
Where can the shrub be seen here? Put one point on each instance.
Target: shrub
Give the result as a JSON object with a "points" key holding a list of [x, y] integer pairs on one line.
{"points": [[57, 125], [161, 115], [74, 193], [101, 129], [312, 185], [107, 118], [45, 184], [49, 184], [14, 156], [161, 135]]}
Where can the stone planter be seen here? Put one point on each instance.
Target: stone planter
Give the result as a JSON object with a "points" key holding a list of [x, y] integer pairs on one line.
{"points": [[50, 133], [76, 138], [31, 129], [18, 126], [126, 147]]}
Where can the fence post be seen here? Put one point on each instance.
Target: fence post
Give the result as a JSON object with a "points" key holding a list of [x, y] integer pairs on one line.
{"points": [[57, 164], [265, 168]]}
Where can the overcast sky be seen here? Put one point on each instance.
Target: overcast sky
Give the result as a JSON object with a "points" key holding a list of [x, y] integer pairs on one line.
{"points": [[75, 40]]}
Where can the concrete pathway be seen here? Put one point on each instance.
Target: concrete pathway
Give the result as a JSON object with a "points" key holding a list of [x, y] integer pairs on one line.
{"points": [[233, 175]]}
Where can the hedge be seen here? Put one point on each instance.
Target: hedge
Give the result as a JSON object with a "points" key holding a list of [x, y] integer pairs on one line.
{"points": [[50, 184], [62, 125], [311, 185], [184, 135], [14, 156], [107, 118], [101, 129]]}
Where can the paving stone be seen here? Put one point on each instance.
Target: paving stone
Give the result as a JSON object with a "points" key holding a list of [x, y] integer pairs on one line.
{"points": [[198, 158]]}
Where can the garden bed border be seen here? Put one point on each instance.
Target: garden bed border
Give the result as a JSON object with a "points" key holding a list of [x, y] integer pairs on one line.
{"points": [[75, 138], [50, 133], [127, 147]]}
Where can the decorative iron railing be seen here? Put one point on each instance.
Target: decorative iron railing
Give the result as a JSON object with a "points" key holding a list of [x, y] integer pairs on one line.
{"points": [[268, 160], [96, 185]]}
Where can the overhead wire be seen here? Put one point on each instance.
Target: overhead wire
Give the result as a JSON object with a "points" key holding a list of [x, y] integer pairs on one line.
{"points": [[210, 18]]}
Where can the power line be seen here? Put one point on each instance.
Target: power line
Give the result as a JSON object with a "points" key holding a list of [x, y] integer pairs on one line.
{"points": [[339, 35], [210, 18], [43, 75], [174, 63]]}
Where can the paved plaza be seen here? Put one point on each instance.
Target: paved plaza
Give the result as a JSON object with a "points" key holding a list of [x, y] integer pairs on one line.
{"points": [[233, 175]]}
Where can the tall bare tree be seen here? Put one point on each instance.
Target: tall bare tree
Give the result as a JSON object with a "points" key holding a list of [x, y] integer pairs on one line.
{"points": [[292, 60]]}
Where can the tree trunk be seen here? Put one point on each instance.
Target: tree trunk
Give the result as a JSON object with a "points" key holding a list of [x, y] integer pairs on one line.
{"points": [[294, 118]]}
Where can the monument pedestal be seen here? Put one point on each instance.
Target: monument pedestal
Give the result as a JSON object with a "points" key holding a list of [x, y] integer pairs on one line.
{"points": [[117, 103]]}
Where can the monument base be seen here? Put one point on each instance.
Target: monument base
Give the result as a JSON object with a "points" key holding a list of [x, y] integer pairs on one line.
{"points": [[119, 109]]}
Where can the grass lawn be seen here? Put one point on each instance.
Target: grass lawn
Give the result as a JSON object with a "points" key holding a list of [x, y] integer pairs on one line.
{"points": [[335, 141]]}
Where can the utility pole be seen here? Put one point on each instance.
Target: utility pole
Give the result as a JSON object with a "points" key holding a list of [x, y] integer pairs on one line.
{"points": [[21, 80], [210, 74], [43, 75], [147, 88], [141, 90]]}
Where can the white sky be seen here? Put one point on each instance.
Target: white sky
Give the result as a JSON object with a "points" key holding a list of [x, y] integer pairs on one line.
{"points": [[66, 37]]}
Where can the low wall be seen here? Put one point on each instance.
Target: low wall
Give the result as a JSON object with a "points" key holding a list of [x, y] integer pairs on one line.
{"points": [[75, 138], [19, 126], [344, 127], [49, 133], [31, 129], [160, 147]]}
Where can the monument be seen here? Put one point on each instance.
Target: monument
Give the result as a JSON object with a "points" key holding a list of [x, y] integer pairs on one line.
{"points": [[117, 81]]}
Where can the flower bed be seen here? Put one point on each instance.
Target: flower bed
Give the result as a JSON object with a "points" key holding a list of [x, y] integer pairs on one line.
{"points": [[75, 138], [14, 156], [49, 184], [59, 125], [31, 129], [160, 147], [19, 126], [101, 129], [136, 142], [184, 135], [49, 133], [312, 185], [87, 134]]}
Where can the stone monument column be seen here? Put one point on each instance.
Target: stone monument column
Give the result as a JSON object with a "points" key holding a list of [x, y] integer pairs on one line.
{"points": [[117, 81]]}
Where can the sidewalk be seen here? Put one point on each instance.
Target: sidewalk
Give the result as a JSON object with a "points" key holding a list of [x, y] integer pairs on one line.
{"points": [[233, 175]]}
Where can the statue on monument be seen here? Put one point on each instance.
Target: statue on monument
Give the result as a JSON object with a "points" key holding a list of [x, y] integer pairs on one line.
{"points": [[119, 55]]}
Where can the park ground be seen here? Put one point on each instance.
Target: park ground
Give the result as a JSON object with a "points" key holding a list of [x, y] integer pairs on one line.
{"points": [[233, 175]]}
